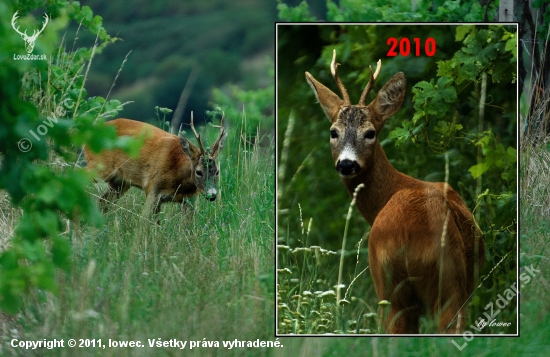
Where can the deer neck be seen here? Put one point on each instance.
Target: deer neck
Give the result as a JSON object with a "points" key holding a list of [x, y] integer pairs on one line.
{"points": [[381, 181]]}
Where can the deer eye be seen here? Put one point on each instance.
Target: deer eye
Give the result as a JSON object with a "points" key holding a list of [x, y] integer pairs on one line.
{"points": [[333, 134], [370, 134], [218, 173], [198, 173]]}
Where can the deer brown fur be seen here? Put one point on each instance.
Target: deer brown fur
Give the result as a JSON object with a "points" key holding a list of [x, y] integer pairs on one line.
{"points": [[169, 167], [425, 249]]}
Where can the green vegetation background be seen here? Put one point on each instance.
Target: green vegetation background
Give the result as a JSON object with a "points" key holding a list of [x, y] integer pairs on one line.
{"points": [[68, 271], [226, 42]]}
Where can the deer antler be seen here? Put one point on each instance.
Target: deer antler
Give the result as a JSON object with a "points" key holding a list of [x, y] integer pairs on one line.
{"points": [[371, 82], [221, 137], [43, 26], [334, 71], [197, 136], [13, 20], [222, 130]]}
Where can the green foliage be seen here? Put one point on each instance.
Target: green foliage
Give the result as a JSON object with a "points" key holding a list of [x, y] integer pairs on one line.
{"points": [[55, 103], [223, 41], [215, 266], [163, 123], [356, 10], [491, 50], [432, 100], [454, 10], [256, 105], [294, 14], [542, 31], [495, 156], [392, 11]]}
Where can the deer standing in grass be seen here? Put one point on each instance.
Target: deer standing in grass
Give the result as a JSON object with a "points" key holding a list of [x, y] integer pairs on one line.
{"points": [[169, 167], [424, 246]]}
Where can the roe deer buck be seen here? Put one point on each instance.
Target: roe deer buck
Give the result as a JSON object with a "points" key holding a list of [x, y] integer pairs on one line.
{"points": [[169, 167], [423, 245]]}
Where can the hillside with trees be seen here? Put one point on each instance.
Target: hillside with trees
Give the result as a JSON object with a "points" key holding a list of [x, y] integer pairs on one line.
{"points": [[170, 44]]}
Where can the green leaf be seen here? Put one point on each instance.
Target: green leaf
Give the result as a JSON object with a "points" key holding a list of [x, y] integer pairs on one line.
{"points": [[478, 170], [402, 134], [47, 221], [87, 14], [444, 81], [61, 253], [299, 13], [11, 300], [41, 275], [49, 192], [511, 46], [95, 25], [8, 260], [419, 114], [446, 68], [462, 31], [26, 228], [512, 154], [33, 251]]}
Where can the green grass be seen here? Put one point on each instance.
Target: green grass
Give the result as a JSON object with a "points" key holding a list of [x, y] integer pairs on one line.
{"points": [[204, 277]]}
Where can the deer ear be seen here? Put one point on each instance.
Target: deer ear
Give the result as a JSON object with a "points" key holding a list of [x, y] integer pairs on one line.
{"points": [[330, 102], [390, 98], [188, 148]]}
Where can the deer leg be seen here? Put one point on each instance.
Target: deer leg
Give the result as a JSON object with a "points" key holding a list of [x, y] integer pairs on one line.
{"points": [[114, 192], [392, 285], [403, 320], [452, 308], [452, 321], [152, 204], [406, 308]]}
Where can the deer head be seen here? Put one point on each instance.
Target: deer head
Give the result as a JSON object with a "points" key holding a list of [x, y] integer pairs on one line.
{"points": [[206, 172], [354, 129], [29, 40]]}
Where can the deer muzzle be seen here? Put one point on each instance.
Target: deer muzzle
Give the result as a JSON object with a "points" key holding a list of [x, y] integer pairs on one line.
{"points": [[347, 167], [211, 194]]}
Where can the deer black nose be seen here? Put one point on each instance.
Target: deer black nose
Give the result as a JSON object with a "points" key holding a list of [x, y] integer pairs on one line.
{"points": [[347, 167]]}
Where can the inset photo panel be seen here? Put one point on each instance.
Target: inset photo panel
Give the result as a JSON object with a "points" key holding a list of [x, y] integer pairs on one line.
{"points": [[397, 154]]}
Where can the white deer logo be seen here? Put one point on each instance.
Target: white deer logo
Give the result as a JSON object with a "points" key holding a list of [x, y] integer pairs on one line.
{"points": [[29, 40]]}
